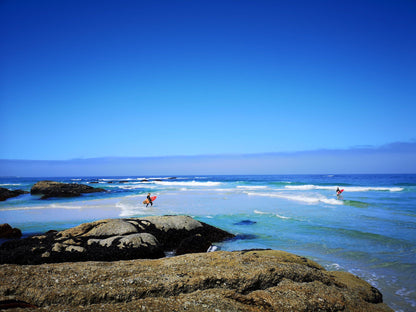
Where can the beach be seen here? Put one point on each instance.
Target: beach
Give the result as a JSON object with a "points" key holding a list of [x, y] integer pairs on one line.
{"points": [[370, 232]]}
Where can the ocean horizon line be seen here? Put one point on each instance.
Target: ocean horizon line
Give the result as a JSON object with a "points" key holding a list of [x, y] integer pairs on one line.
{"points": [[178, 176], [395, 158], [409, 146]]}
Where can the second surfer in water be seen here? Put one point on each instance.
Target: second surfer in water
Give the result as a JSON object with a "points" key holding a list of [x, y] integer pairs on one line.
{"points": [[339, 193], [149, 200]]}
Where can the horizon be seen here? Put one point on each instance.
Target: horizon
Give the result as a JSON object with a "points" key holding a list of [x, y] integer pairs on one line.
{"points": [[395, 158], [211, 175], [84, 80]]}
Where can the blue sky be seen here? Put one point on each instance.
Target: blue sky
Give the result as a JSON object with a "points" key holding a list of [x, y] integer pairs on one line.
{"points": [[91, 79]]}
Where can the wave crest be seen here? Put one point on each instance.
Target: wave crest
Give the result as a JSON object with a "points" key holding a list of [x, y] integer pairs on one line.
{"points": [[346, 188]]}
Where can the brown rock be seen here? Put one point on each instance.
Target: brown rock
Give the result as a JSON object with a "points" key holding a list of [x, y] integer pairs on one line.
{"points": [[114, 239], [193, 244], [57, 189], [218, 281], [6, 231], [6, 194]]}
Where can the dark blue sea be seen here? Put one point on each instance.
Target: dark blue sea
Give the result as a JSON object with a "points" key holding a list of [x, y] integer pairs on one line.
{"points": [[370, 232]]}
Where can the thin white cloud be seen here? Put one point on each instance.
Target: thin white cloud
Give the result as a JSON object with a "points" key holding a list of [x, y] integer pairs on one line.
{"points": [[398, 157]]}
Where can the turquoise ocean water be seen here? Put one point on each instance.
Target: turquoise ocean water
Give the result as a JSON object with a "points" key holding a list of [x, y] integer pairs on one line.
{"points": [[371, 232]]}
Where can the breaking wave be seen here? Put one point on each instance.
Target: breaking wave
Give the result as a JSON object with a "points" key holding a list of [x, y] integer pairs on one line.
{"points": [[346, 188], [187, 183], [303, 198]]}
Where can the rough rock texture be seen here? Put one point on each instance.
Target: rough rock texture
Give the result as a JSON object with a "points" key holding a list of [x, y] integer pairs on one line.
{"points": [[217, 281], [113, 239], [57, 189], [6, 194], [6, 231]]}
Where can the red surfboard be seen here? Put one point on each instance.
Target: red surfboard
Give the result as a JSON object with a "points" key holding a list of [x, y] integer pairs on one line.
{"points": [[340, 191], [146, 201]]}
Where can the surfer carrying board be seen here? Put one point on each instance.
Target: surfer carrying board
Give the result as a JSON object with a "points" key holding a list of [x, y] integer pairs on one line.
{"points": [[339, 193], [149, 200]]}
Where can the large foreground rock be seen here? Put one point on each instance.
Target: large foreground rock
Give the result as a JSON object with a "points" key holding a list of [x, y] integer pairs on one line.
{"points": [[57, 189], [217, 281], [6, 193], [114, 239]]}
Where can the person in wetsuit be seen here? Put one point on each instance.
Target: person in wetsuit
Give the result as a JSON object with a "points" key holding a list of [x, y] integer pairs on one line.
{"points": [[338, 193], [150, 200]]}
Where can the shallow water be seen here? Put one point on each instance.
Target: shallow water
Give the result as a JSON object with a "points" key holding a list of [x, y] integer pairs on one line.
{"points": [[371, 232]]}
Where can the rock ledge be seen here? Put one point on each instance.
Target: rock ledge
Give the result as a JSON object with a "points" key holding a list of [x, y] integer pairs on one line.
{"points": [[265, 280]]}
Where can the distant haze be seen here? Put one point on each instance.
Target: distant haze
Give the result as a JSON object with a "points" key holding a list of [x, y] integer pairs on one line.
{"points": [[391, 158]]}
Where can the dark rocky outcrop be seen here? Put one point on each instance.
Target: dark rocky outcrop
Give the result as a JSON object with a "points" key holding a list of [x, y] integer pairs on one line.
{"points": [[14, 304], [262, 280], [193, 244], [6, 231], [113, 239], [6, 194], [57, 189]]}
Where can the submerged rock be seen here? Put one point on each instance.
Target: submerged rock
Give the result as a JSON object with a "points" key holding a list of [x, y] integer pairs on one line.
{"points": [[245, 222], [57, 189], [219, 281], [113, 239], [6, 193]]}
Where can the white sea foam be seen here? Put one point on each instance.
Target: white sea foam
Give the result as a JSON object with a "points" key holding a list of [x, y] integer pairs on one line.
{"points": [[132, 207], [333, 267], [303, 198], [268, 213], [404, 292], [371, 278], [408, 295], [135, 187], [187, 183], [65, 206], [8, 184], [303, 187], [42, 207], [252, 187], [121, 179], [371, 188], [346, 188], [281, 217]]}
